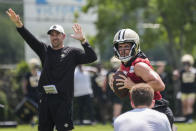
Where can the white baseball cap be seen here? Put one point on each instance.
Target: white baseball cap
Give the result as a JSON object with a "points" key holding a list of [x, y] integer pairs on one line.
{"points": [[58, 28]]}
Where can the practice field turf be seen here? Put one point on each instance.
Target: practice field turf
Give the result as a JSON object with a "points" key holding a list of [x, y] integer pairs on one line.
{"points": [[98, 127]]}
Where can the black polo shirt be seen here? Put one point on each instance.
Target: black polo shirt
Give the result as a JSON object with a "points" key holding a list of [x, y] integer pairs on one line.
{"points": [[58, 65]]}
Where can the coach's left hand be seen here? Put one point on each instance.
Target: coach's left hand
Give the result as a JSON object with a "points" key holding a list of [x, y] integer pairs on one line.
{"points": [[78, 34]]}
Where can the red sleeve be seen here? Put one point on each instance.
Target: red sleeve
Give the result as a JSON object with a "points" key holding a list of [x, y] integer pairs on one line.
{"points": [[142, 60]]}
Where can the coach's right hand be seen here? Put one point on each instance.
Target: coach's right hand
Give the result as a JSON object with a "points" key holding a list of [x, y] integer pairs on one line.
{"points": [[14, 17]]}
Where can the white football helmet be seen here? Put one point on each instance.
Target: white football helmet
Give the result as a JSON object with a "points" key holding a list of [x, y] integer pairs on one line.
{"points": [[187, 58], [126, 36], [34, 63]]}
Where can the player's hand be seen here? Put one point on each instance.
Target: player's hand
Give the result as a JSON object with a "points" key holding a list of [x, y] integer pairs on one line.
{"points": [[14, 18], [126, 82], [78, 34], [111, 80]]}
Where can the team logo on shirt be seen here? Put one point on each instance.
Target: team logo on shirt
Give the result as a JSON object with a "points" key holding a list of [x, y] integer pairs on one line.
{"points": [[62, 55], [66, 125], [188, 77]]}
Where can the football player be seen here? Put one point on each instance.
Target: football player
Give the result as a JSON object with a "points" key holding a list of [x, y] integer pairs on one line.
{"points": [[137, 67]]}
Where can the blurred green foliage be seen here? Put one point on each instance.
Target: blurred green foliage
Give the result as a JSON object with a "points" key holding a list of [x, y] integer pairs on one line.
{"points": [[21, 69], [3, 109], [176, 19], [11, 44], [11, 92]]}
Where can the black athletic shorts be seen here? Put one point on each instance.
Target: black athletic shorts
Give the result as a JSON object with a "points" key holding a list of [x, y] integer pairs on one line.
{"points": [[54, 111], [163, 106]]}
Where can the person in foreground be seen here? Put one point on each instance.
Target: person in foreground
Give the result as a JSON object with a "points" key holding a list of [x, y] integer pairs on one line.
{"points": [[137, 68], [57, 76], [142, 117]]}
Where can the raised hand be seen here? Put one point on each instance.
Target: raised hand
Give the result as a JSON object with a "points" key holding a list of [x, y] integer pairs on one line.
{"points": [[14, 18], [78, 34]]}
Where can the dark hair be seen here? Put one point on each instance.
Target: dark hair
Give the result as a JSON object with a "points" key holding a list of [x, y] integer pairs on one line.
{"points": [[142, 94]]}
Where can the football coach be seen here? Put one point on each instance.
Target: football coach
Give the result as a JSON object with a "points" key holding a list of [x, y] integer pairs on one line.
{"points": [[56, 80]]}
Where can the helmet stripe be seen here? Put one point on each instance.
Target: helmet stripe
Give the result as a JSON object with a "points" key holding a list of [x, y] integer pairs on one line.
{"points": [[123, 34], [119, 34]]}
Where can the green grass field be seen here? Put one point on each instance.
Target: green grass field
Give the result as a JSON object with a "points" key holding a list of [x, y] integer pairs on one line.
{"points": [[98, 127]]}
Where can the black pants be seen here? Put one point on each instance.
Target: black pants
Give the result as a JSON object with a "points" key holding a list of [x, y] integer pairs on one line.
{"points": [[85, 102], [163, 106], [54, 110]]}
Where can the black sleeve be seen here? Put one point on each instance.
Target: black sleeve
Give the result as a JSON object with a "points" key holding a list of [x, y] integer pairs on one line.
{"points": [[86, 56], [33, 42], [26, 76]]}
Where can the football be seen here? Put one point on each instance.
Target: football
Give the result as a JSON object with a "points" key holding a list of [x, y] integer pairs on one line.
{"points": [[122, 92]]}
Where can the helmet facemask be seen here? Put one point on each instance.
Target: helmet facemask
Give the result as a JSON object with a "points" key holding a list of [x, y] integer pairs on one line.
{"points": [[132, 52]]}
